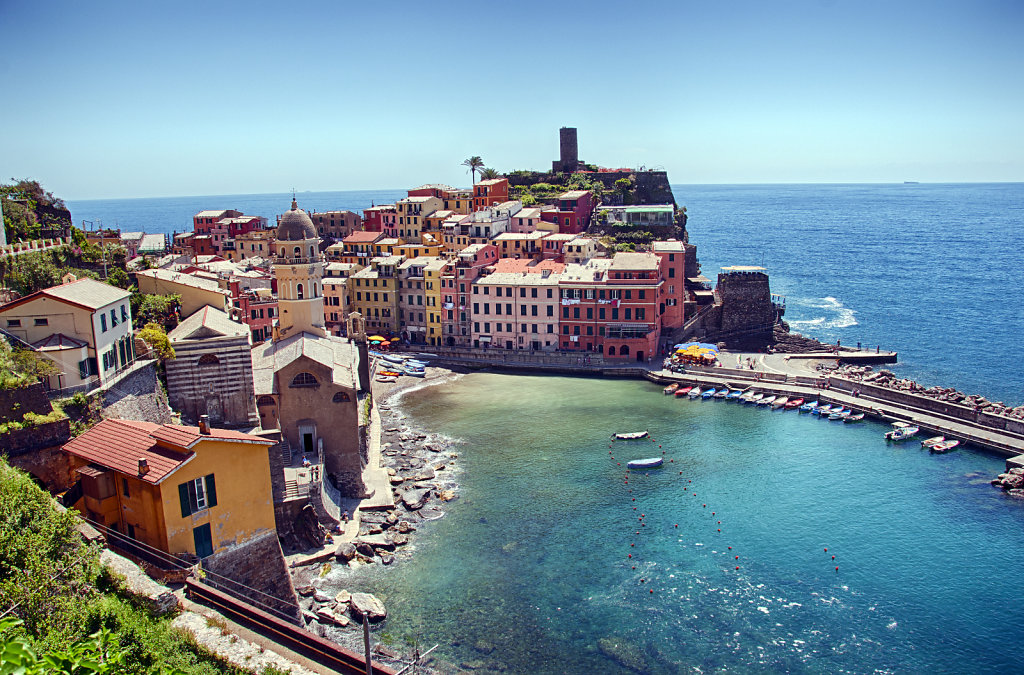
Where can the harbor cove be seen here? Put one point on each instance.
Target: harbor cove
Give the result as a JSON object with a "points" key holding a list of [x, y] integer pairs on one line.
{"points": [[769, 540]]}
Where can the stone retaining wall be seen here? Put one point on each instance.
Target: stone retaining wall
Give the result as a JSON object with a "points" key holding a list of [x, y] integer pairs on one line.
{"points": [[258, 564]]}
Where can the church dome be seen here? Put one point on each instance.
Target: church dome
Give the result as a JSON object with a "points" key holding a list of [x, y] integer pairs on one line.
{"points": [[295, 225]]}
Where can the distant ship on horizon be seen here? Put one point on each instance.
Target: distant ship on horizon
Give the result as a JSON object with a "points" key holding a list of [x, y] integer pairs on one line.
{"points": [[911, 182]]}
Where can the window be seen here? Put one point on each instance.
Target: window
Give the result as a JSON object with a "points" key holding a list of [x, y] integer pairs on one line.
{"points": [[14, 323], [113, 318], [551, 310], [642, 294], [208, 360], [42, 322], [197, 495], [124, 487], [341, 397], [304, 380], [671, 272], [299, 291], [103, 323], [549, 292]]}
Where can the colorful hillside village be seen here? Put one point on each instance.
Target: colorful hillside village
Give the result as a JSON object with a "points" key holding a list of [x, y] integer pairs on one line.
{"points": [[447, 267]]}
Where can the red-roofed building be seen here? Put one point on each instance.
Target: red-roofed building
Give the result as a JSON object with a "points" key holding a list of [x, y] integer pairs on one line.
{"points": [[187, 491]]}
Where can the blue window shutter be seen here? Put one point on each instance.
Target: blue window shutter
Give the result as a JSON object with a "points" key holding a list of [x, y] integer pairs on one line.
{"points": [[211, 492], [186, 509]]}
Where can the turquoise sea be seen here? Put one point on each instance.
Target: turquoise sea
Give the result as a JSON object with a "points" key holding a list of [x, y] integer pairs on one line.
{"points": [[530, 570]]}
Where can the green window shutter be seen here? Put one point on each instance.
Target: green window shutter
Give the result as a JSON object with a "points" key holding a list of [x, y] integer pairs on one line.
{"points": [[211, 492], [186, 511]]}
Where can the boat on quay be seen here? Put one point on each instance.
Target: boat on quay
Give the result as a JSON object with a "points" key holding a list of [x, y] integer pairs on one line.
{"points": [[901, 431], [630, 436], [386, 378], [944, 447], [683, 391], [671, 389], [934, 440], [649, 463], [794, 403], [780, 402]]}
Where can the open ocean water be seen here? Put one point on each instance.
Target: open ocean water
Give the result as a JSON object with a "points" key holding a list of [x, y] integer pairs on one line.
{"points": [[532, 568]]}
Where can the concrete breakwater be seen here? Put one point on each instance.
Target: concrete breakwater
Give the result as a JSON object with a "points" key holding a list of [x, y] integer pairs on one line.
{"points": [[929, 414]]}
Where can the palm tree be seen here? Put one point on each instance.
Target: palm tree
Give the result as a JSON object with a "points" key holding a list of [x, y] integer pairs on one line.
{"points": [[475, 164], [486, 174]]}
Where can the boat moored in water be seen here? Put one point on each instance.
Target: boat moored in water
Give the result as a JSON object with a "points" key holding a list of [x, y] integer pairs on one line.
{"points": [[780, 401], [722, 393], [808, 407], [734, 395], [767, 400], [683, 391], [671, 389], [901, 431], [840, 414], [707, 393], [695, 392], [945, 446], [649, 463], [822, 409], [854, 417], [794, 403], [630, 436], [934, 440]]}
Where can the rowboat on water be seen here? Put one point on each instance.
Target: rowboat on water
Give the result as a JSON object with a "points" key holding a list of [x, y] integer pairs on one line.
{"points": [[734, 395], [794, 403], [630, 436], [650, 463], [934, 440], [694, 393], [780, 401], [841, 414], [855, 417], [944, 447], [822, 409], [671, 389], [768, 400], [756, 398], [708, 393], [809, 407], [683, 391], [722, 393]]}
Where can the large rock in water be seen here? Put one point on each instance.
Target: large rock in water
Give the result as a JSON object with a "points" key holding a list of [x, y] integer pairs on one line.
{"points": [[415, 499], [346, 551], [365, 604], [624, 653]]}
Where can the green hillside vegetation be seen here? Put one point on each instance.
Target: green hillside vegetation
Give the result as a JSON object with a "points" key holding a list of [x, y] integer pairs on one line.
{"points": [[28, 208], [61, 612]]}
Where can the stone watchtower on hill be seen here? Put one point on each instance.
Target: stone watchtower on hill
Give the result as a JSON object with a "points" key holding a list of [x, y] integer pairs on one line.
{"points": [[568, 149]]}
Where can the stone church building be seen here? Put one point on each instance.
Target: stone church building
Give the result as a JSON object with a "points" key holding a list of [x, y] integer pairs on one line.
{"points": [[306, 382]]}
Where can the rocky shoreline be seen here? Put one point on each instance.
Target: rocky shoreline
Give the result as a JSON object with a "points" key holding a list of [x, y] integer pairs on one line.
{"points": [[422, 467]]}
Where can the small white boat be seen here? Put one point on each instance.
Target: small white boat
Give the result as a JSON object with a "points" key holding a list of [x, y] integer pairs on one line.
{"points": [[756, 398], [414, 372], [630, 436], [649, 463], [768, 400], [934, 440], [901, 431], [722, 393], [808, 407], [855, 417], [822, 409], [747, 396], [780, 401], [386, 378], [944, 447], [841, 414], [694, 393]]}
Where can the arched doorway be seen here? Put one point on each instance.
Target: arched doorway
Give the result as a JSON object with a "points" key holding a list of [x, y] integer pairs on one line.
{"points": [[611, 351], [624, 351], [640, 355]]}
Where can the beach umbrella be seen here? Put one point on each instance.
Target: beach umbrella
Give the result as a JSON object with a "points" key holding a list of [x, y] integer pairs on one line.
{"points": [[377, 338], [396, 339]]}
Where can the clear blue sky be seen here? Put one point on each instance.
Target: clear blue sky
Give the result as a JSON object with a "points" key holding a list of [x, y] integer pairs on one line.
{"points": [[138, 99]]}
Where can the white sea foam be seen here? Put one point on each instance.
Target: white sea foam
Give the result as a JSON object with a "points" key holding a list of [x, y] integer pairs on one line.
{"points": [[835, 314]]}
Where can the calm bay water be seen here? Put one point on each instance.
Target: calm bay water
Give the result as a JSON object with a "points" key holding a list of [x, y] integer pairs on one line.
{"points": [[531, 567]]}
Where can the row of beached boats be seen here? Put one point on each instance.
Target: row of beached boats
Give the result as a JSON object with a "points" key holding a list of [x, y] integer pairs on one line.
{"points": [[390, 367], [759, 398], [901, 431]]}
